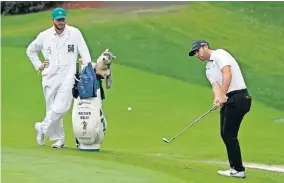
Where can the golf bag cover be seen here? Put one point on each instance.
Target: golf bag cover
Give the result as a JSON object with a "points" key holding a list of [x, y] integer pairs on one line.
{"points": [[89, 123], [103, 66], [87, 84]]}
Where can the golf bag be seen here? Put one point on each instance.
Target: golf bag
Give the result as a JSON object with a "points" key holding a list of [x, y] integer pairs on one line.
{"points": [[89, 122]]}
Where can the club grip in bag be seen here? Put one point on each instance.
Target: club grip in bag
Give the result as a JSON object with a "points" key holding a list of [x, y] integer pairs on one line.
{"points": [[75, 91], [77, 67]]}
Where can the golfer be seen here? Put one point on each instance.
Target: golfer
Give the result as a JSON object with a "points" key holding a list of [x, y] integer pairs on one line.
{"points": [[60, 46], [231, 95]]}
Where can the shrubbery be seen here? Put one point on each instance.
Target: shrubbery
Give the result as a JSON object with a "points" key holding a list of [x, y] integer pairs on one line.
{"points": [[23, 7]]}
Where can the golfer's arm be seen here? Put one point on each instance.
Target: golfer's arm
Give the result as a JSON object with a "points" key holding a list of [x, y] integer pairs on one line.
{"points": [[83, 49], [217, 90], [32, 52], [227, 77]]}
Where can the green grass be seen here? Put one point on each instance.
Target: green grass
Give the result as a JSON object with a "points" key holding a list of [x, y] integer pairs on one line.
{"points": [[265, 12], [166, 89], [250, 42]]}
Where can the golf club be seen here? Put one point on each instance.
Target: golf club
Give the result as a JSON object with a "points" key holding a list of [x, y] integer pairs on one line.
{"points": [[168, 141]]}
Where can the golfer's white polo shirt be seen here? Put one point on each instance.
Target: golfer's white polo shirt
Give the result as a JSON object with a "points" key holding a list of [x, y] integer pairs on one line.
{"points": [[219, 59]]}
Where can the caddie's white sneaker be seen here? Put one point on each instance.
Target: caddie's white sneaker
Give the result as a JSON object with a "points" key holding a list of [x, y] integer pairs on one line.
{"points": [[233, 173], [40, 135], [58, 144]]}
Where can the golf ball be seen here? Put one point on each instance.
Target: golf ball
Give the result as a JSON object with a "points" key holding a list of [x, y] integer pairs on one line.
{"points": [[129, 109]]}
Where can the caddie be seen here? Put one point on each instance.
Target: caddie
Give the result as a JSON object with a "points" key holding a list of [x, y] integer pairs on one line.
{"points": [[60, 45], [89, 122], [231, 95]]}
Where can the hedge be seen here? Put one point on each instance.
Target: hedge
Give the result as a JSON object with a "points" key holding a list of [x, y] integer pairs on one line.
{"points": [[24, 7]]}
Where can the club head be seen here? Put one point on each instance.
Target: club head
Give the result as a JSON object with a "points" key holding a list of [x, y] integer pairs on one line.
{"points": [[165, 140]]}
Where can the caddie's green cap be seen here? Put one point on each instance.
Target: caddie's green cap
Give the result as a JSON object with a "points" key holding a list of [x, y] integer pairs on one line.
{"points": [[58, 13]]}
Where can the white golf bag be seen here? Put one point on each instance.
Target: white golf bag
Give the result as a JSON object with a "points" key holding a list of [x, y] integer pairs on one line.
{"points": [[89, 122]]}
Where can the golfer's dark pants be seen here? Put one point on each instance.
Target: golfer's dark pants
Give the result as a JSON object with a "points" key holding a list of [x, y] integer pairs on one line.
{"points": [[231, 115]]}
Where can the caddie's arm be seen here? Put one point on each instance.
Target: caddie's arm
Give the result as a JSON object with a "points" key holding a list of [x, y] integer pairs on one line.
{"points": [[83, 49], [32, 52]]}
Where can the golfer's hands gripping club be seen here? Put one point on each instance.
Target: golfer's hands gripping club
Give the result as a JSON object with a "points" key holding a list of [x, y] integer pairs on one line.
{"points": [[219, 100], [220, 97]]}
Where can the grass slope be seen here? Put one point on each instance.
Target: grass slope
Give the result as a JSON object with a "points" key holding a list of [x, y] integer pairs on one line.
{"points": [[266, 12], [160, 45], [162, 105]]}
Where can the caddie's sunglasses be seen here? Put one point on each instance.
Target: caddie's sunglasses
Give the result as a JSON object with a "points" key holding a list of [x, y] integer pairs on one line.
{"points": [[61, 20]]}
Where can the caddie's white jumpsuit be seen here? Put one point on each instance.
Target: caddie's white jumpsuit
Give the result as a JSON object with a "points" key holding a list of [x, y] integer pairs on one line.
{"points": [[58, 78]]}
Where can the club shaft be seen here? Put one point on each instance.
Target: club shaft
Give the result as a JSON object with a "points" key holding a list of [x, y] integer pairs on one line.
{"points": [[192, 123]]}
